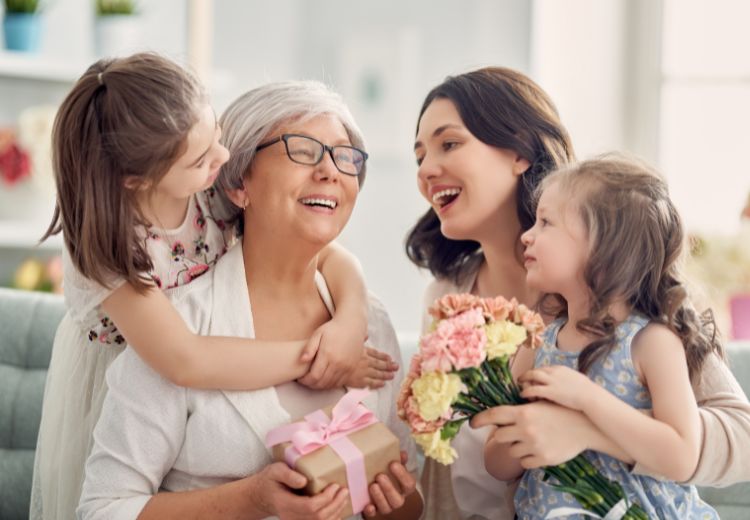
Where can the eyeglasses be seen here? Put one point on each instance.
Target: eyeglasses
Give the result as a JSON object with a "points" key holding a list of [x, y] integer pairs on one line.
{"points": [[306, 150]]}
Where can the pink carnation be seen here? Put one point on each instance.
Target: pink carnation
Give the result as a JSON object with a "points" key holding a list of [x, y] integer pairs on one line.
{"points": [[415, 421], [405, 393], [496, 309], [452, 304], [457, 343]]}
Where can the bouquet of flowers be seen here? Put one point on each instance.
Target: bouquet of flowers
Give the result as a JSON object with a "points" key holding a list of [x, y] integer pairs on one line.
{"points": [[462, 368]]}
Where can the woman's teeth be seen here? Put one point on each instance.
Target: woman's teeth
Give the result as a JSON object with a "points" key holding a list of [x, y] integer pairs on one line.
{"points": [[444, 197], [320, 202]]}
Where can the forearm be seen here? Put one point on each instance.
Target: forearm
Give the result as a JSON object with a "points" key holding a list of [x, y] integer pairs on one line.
{"points": [[227, 363], [499, 462], [648, 441], [227, 502]]}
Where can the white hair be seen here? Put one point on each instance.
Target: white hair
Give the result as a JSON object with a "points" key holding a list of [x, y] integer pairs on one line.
{"points": [[249, 120]]}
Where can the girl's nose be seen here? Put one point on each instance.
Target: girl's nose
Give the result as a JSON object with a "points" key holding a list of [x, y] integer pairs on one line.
{"points": [[526, 237]]}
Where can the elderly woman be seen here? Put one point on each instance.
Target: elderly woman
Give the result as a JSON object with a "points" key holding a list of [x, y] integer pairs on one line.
{"points": [[165, 451]]}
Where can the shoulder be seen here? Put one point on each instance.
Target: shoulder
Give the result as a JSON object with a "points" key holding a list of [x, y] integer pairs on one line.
{"points": [[656, 346]]}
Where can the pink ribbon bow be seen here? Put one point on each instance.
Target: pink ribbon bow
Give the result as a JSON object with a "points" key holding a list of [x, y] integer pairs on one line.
{"points": [[318, 430]]}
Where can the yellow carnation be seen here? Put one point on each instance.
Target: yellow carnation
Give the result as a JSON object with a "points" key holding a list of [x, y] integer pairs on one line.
{"points": [[503, 338], [435, 447], [435, 392]]}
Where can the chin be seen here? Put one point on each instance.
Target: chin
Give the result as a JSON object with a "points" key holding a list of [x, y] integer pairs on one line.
{"points": [[455, 232]]}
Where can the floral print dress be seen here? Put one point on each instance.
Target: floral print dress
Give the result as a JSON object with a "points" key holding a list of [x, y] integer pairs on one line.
{"points": [[535, 497]]}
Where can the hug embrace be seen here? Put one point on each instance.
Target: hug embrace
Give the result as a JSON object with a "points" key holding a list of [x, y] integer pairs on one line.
{"points": [[208, 304]]}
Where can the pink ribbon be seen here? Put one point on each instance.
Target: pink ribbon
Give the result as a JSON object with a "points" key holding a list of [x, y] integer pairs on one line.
{"points": [[318, 430]]}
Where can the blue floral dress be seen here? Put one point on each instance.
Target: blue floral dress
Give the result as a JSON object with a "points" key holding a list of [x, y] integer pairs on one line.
{"points": [[535, 498]]}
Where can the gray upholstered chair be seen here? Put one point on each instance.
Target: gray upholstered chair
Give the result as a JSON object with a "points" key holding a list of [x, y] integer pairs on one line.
{"points": [[27, 327]]}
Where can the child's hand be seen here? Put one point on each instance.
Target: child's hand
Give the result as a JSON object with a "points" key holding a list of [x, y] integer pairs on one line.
{"points": [[559, 384], [336, 347], [372, 371], [388, 495]]}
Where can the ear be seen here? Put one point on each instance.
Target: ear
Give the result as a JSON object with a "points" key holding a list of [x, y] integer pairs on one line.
{"points": [[133, 183], [239, 197], [520, 165]]}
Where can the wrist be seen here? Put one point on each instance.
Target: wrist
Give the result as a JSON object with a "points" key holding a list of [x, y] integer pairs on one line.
{"points": [[255, 503]]}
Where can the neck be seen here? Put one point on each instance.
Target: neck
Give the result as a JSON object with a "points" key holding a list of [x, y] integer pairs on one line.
{"points": [[277, 271], [502, 272], [163, 212]]}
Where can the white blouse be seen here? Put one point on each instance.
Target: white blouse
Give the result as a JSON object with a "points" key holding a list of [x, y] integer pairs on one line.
{"points": [[153, 435]]}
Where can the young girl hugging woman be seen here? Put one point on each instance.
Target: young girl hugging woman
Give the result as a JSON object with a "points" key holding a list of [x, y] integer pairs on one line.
{"points": [[136, 150], [605, 250]]}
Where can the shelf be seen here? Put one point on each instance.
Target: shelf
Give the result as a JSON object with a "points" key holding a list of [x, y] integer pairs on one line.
{"points": [[25, 235], [37, 67]]}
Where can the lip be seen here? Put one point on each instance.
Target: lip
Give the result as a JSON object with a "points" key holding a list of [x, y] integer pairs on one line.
{"points": [[527, 259]]}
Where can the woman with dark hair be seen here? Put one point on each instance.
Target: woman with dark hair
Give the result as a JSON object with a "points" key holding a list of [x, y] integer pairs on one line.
{"points": [[485, 140]]}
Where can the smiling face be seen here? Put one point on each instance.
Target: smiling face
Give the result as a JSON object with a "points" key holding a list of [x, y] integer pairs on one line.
{"points": [[470, 185], [196, 169], [557, 246], [299, 201]]}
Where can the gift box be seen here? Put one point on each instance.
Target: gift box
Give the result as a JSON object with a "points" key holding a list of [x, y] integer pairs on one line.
{"points": [[343, 444]]}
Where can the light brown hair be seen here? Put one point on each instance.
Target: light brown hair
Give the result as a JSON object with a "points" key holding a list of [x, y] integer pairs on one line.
{"points": [[121, 127], [503, 108], [636, 248]]}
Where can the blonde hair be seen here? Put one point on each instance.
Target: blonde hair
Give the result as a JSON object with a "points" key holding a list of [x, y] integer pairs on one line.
{"points": [[637, 246]]}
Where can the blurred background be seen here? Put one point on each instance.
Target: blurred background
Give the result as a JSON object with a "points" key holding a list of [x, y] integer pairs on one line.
{"points": [[668, 80]]}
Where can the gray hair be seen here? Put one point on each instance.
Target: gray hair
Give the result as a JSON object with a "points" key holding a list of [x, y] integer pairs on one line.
{"points": [[249, 120]]}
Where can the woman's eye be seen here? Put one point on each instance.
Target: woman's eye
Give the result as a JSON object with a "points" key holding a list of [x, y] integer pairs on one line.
{"points": [[449, 145], [419, 161], [544, 222]]}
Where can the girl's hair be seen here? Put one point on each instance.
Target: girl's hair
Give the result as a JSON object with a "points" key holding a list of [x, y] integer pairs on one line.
{"points": [[120, 129], [254, 116], [505, 109], [636, 247]]}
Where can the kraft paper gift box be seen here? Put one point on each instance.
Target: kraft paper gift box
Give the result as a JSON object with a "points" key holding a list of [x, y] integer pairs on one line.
{"points": [[318, 445]]}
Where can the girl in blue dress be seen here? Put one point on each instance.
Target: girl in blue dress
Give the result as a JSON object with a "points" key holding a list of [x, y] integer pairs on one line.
{"points": [[605, 249]]}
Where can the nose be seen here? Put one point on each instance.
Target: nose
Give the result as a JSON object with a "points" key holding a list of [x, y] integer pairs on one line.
{"points": [[428, 170], [326, 170], [527, 237]]}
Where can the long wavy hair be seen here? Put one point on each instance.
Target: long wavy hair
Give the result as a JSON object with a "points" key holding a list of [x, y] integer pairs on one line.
{"points": [[120, 129], [636, 252], [503, 108]]}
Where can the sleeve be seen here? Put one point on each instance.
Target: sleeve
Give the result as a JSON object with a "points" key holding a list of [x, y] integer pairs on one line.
{"points": [[725, 416], [82, 295], [383, 336], [136, 441]]}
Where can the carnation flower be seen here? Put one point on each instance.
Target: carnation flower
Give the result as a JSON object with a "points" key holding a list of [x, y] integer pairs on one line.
{"points": [[435, 447], [435, 392], [503, 338], [452, 304]]}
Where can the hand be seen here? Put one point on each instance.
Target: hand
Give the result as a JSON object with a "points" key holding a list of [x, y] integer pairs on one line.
{"points": [[388, 496], [540, 433], [372, 371], [272, 495], [560, 384], [336, 348]]}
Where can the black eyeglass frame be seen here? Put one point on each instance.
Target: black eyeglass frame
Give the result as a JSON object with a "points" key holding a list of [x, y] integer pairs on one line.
{"points": [[324, 147]]}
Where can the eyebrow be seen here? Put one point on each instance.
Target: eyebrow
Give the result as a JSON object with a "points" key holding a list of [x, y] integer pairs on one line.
{"points": [[439, 130], [201, 156]]}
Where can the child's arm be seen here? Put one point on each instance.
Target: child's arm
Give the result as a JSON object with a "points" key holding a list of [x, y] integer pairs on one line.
{"points": [[154, 328], [669, 442], [337, 346]]}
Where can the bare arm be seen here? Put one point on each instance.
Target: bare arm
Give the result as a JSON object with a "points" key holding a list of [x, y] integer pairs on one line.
{"points": [[339, 344], [668, 442], [153, 328]]}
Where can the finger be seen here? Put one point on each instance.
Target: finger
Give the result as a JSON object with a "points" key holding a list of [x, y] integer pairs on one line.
{"points": [[404, 457], [282, 473], [369, 511], [498, 416], [507, 435], [374, 384], [311, 347], [536, 376], [318, 368], [383, 375], [538, 392], [335, 508], [393, 494], [324, 498], [378, 499], [406, 481]]}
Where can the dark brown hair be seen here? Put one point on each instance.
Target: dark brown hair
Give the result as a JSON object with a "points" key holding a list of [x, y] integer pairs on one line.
{"points": [[505, 109], [636, 247], [125, 121]]}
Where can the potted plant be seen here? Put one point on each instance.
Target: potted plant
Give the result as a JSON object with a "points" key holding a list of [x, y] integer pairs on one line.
{"points": [[22, 25], [118, 27]]}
